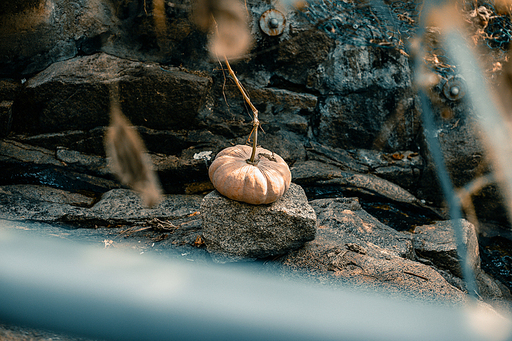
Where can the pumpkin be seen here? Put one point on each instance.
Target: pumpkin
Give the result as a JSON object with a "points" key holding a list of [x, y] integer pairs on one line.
{"points": [[261, 182]]}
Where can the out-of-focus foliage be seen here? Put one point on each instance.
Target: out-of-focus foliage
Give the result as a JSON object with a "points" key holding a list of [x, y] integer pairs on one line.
{"points": [[227, 22], [128, 158]]}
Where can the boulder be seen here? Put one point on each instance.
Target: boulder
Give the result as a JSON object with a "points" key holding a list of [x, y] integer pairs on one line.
{"points": [[74, 95], [352, 247], [437, 244], [321, 175], [234, 230], [342, 221], [115, 207], [368, 102], [5, 117], [61, 168], [125, 206], [51, 31], [36, 203], [48, 194]]}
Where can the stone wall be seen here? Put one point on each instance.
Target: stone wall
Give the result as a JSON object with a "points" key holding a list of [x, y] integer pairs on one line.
{"points": [[318, 98]]}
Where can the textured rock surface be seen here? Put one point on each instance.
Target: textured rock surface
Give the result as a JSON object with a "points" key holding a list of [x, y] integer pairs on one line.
{"points": [[74, 94], [234, 230], [313, 93], [342, 221], [353, 247], [437, 244], [52, 30]]}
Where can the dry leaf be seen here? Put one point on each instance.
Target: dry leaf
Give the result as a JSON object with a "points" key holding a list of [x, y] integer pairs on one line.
{"points": [[397, 156], [199, 241], [227, 19], [128, 159]]}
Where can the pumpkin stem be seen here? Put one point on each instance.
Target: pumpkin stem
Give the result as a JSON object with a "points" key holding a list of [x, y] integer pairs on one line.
{"points": [[255, 122]]}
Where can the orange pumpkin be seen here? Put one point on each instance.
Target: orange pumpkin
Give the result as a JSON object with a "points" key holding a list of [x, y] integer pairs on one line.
{"points": [[262, 182]]}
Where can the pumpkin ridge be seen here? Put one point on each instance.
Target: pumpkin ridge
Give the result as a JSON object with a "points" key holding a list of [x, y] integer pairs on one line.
{"points": [[231, 184], [255, 185], [275, 183]]}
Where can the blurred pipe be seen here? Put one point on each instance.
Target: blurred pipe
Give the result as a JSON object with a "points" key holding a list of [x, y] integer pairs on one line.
{"points": [[496, 128], [115, 295], [450, 195], [443, 175]]}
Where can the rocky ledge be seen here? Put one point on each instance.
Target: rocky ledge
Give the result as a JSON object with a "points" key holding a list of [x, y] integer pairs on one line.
{"points": [[350, 247]]}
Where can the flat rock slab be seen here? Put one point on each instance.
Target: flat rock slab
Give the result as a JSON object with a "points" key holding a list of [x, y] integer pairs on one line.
{"points": [[352, 247], [118, 206], [343, 221], [437, 244], [234, 231]]}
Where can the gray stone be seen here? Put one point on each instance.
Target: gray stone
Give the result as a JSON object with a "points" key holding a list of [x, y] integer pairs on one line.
{"points": [[118, 206], [352, 247], [437, 244], [74, 94], [466, 159], [20, 152], [14, 206], [403, 168], [93, 163], [314, 173], [49, 194], [36, 165], [89, 142], [342, 221], [234, 230], [5, 117], [351, 69], [382, 119], [394, 274], [125, 206], [51, 31]]}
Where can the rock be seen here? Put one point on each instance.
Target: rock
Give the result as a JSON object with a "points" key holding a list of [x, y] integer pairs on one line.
{"points": [[493, 292], [319, 175], [233, 230], [342, 220], [298, 57], [369, 120], [89, 142], [18, 152], [116, 207], [395, 275], [342, 158], [369, 102], [310, 172], [125, 206], [92, 163], [353, 69], [437, 244], [5, 117], [48, 194], [352, 247], [286, 144], [14, 205], [403, 168], [466, 158], [74, 95], [51, 31], [27, 164]]}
